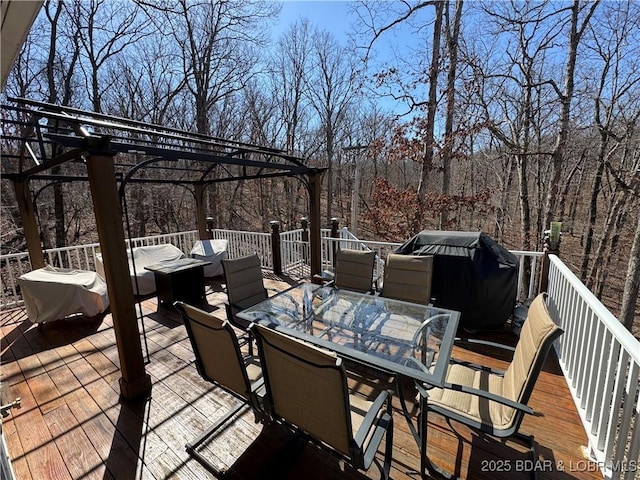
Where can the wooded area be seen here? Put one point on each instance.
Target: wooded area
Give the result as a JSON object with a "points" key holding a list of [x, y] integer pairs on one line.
{"points": [[497, 116]]}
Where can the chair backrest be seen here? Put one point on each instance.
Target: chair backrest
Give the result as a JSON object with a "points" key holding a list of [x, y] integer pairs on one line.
{"points": [[536, 338], [215, 345], [306, 387], [354, 270], [243, 277], [408, 277]]}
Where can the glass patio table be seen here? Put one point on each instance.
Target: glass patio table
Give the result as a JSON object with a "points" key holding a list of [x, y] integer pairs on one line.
{"points": [[404, 339]]}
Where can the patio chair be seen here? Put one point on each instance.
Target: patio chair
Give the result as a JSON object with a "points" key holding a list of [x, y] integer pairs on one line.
{"points": [[354, 270], [245, 288], [408, 278], [495, 402], [220, 361], [307, 390]]}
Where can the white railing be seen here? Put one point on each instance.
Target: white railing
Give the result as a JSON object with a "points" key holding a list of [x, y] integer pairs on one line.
{"points": [[11, 267], [295, 255], [528, 262], [601, 362], [247, 243], [80, 257], [183, 240]]}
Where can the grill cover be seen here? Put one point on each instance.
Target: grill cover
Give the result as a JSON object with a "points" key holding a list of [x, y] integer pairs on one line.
{"points": [[471, 274]]}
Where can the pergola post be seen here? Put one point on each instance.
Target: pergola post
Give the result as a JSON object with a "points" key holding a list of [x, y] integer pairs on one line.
{"points": [[315, 183], [29, 223], [201, 214], [106, 205]]}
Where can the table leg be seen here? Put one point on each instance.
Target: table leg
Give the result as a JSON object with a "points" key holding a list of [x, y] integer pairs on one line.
{"points": [[420, 432]]}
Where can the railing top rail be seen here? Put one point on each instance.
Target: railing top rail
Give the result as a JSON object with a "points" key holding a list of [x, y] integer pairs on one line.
{"points": [[624, 336], [241, 232], [9, 256], [366, 242], [72, 247], [527, 253]]}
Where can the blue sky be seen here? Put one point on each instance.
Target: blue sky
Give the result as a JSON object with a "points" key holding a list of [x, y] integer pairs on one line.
{"points": [[337, 18], [327, 14]]}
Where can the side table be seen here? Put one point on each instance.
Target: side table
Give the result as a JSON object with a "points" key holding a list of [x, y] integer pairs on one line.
{"points": [[181, 279]]}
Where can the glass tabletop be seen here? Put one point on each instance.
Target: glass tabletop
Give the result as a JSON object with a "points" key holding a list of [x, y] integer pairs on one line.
{"points": [[395, 336]]}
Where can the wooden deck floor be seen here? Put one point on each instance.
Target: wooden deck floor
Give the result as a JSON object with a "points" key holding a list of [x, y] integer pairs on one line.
{"points": [[73, 425]]}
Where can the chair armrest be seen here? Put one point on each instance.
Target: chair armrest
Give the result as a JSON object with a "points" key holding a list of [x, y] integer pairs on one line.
{"points": [[485, 342], [476, 366], [489, 396], [372, 414]]}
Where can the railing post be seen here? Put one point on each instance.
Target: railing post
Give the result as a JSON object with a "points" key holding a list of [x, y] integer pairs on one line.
{"points": [[275, 247], [335, 233], [551, 247], [210, 227], [304, 224]]}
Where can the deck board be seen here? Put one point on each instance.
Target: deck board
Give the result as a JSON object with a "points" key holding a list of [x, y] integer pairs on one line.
{"points": [[74, 425]]}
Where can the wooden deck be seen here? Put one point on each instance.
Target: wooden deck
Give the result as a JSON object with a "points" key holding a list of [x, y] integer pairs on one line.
{"points": [[73, 425]]}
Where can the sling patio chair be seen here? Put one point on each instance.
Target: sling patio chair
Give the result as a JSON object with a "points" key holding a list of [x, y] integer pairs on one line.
{"points": [[245, 288], [495, 402], [408, 278], [219, 360], [307, 390], [354, 270]]}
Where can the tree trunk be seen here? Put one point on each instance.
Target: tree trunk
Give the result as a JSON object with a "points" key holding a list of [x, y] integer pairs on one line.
{"points": [[557, 157], [632, 284], [447, 149], [593, 210], [427, 158]]}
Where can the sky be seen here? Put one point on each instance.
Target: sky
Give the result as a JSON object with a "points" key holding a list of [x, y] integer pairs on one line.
{"points": [[331, 15], [336, 17]]}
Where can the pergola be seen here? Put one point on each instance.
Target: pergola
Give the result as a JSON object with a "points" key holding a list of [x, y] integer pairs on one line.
{"points": [[48, 142]]}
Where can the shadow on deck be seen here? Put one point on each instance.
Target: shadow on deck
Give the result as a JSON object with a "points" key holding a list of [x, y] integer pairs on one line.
{"points": [[73, 424]]}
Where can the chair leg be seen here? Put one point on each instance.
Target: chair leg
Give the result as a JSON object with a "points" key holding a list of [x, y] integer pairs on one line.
{"points": [[388, 451], [427, 464], [530, 442], [191, 447]]}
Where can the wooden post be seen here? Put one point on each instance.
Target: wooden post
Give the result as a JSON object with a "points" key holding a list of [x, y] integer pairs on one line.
{"points": [[315, 180], [106, 205], [335, 233], [276, 254], [304, 224], [29, 223], [201, 215], [551, 247], [209, 227]]}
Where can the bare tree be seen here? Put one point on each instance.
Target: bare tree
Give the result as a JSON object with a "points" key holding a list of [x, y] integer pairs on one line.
{"points": [[632, 284], [331, 89], [577, 27], [613, 95], [105, 29], [452, 32]]}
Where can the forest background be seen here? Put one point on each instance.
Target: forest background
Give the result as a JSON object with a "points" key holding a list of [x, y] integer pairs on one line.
{"points": [[461, 115]]}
